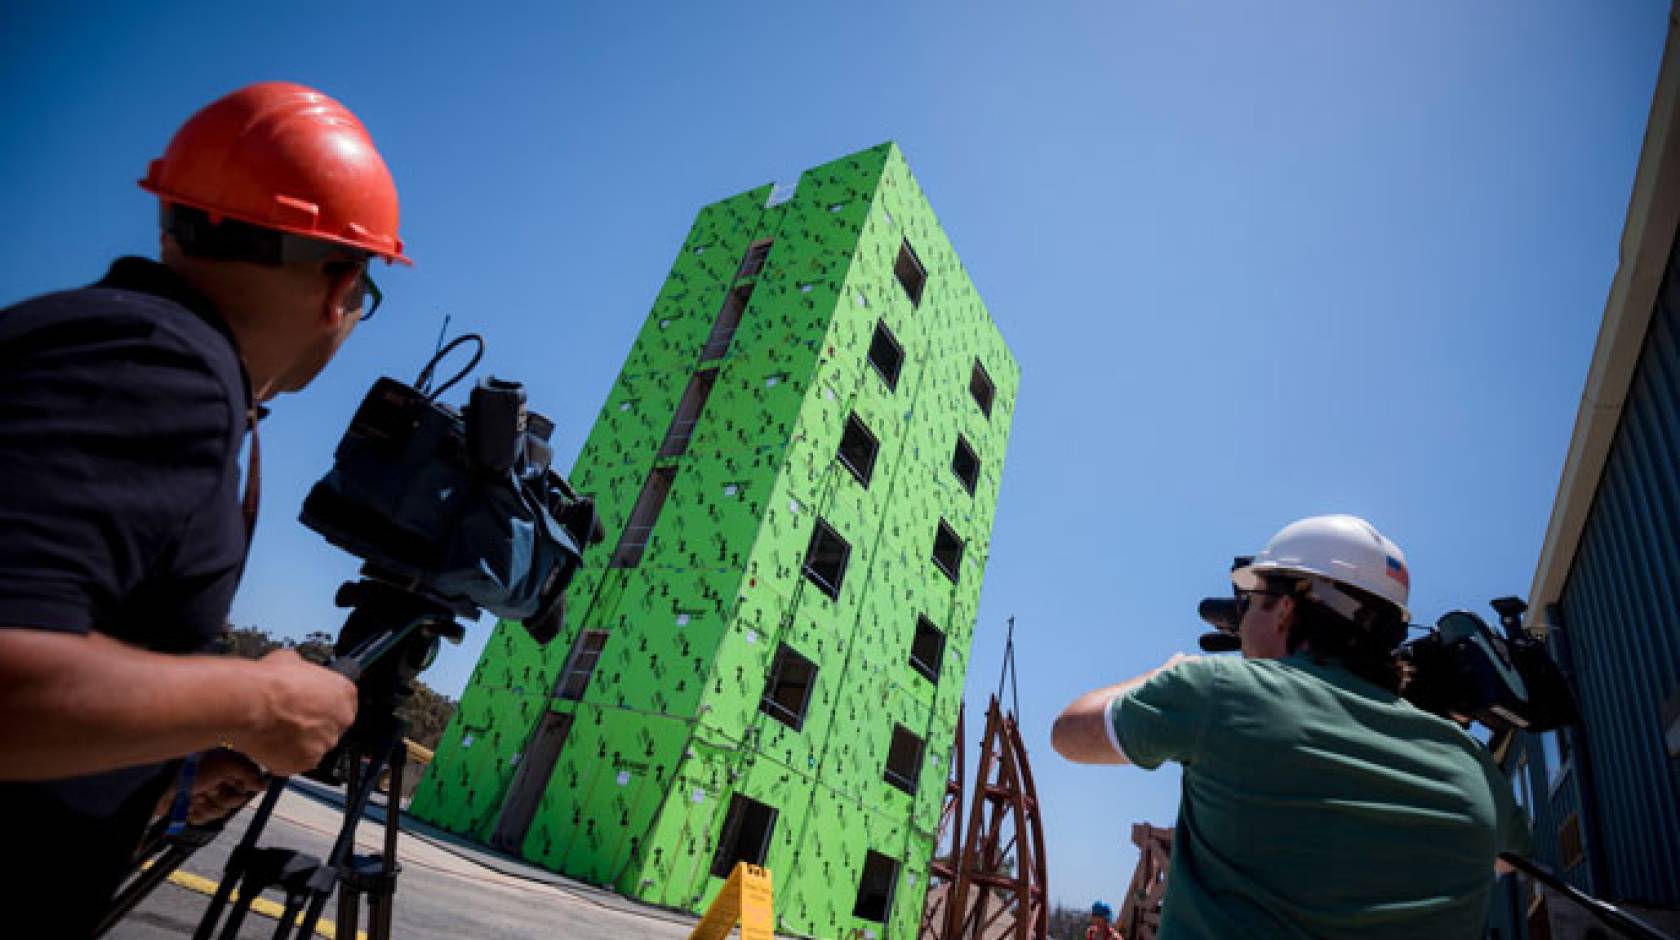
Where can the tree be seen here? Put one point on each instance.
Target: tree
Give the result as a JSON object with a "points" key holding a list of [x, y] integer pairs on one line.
{"points": [[317, 647], [427, 714], [1068, 923], [251, 642]]}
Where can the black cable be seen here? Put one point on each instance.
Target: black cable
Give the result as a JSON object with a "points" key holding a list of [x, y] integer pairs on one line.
{"points": [[1623, 922], [423, 382]]}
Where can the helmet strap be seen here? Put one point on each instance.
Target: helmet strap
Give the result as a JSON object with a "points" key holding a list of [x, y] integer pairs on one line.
{"points": [[227, 239], [1337, 600]]}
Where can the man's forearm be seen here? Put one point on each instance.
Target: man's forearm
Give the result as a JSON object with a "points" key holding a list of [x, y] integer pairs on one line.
{"points": [[1081, 732], [81, 704]]}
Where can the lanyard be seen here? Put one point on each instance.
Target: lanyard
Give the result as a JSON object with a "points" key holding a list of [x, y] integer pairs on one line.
{"points": [[253, 480]]}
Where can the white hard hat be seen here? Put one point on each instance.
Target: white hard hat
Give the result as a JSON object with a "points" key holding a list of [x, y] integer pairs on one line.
{"points": [[1340, 549]]}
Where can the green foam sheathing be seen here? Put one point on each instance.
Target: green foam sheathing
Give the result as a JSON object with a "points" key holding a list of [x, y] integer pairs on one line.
{"points": [[670, 728]]}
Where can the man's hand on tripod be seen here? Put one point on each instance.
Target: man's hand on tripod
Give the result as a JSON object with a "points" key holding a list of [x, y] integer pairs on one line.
{"points": [[305, 710], [224, 781]]}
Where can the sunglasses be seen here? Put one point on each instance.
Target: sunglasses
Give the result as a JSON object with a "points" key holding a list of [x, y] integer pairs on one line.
{"points": [[368, 296], [371, 291], [1245, 598]]}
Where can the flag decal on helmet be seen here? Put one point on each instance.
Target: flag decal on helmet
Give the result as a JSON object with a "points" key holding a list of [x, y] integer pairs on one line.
{"points": [[1397, 570]]}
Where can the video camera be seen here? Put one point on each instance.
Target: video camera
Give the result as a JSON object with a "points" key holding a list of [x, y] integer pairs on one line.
{"points": [[1460, 667], [462, 506]]}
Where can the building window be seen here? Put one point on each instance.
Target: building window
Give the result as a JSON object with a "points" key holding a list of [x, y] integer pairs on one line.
{"points": [[857, 450], [1522, 790], [885, 354], [643, 518], [1556, 748], [980, 386], [745, 836], [875, 888], [825, 559], [910, 273], [586, 652], [693, 402], [927, 650], [966, 465], [904, 760], [757, 253], [787, 690], [728, 319], [948, 551]]}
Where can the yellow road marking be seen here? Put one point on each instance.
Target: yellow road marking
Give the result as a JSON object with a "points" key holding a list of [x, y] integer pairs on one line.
{"points": [[267, 908]]}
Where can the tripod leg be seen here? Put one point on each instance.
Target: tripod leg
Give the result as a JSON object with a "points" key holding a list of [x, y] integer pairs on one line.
{"points": [[349, 911], [294, 903], [383, 898], [143, 884], [349, 899], [239, 861], [365, 778], [379, 920], [249, 889]]}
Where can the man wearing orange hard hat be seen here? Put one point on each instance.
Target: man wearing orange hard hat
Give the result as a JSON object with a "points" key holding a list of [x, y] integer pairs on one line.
{"points": [[124, 408]]}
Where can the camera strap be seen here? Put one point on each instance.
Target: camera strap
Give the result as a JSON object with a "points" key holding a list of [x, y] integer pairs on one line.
{"points": [[181, 806], [253, 478]]}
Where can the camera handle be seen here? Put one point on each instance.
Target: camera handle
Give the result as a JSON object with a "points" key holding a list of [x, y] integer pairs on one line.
{"points": [[1623, 922]]}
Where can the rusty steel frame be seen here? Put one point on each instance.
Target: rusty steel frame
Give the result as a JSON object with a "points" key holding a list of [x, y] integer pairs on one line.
{"points": [[984, 898], [943, 869]]}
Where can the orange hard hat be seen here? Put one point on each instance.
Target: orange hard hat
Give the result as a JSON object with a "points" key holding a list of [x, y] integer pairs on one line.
{"points": [[284, 157]]}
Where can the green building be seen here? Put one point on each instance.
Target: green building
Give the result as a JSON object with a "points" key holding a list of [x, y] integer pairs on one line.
{"points": [[797, 469]]}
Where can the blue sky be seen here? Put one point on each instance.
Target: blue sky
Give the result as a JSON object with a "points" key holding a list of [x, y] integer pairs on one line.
{"points": [[1257, 261]]}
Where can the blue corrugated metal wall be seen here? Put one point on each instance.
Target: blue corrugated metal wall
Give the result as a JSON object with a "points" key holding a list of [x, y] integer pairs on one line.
{"points": [[1621, 613], [1556, 794]]}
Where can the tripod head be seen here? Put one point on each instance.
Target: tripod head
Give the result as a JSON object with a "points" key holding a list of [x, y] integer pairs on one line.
{"points": [[391, 635]]}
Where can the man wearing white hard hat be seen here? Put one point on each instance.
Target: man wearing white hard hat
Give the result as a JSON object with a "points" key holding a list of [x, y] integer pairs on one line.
{"points": [[1316, 801]]}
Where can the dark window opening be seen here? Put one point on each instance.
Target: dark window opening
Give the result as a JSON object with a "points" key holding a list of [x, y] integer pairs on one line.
{"points": [[911, 275], [643, 517], [857, 450], [966, 465], [980, 386], [825, 559], [753, 263], [693, 402], [586, 652], [875, 888], [904, 760], [948, 551], [886, 355], [927, 650], [728, 319], [745, 836], [787, 690]]}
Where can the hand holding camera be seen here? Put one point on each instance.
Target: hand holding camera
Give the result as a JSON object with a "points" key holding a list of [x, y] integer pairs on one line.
{"points": [[305, 710]]}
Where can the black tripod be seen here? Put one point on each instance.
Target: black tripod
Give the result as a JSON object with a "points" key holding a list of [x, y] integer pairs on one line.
{"points": [[390, 636]]}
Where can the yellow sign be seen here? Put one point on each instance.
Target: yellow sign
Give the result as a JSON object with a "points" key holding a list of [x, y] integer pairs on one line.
{"points": [[745, 900]]}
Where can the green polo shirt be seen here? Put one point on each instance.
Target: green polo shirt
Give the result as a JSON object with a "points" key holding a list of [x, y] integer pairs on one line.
{"points": [[1316, 804]]}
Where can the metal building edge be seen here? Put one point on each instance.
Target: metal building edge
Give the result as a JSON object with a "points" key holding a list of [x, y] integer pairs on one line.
{"points": [[1604, 796], [669, 728]]}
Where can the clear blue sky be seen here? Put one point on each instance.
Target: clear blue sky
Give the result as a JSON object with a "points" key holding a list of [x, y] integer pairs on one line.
{"points": [[1257, 261]]}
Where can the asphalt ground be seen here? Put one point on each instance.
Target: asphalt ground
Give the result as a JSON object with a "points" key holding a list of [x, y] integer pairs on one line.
{"points": [[447, 889]]}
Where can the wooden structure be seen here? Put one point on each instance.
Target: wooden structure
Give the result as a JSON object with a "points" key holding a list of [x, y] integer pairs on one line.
{"points": [[987, 880], [1140, 916]]}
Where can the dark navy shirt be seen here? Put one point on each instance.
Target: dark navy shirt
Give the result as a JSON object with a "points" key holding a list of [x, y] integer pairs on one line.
{"points": [[123, 409]]}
